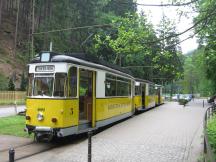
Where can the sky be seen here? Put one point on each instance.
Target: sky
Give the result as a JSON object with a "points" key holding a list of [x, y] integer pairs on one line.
{"points": [[154, 15]]}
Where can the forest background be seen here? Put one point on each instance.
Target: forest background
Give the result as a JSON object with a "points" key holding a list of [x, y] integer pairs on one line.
{"points": [[113, 31]]}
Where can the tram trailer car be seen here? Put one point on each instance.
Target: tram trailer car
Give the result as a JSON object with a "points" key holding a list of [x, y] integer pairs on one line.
{"points": [[70, 95], [145, 95], [159, 98]]}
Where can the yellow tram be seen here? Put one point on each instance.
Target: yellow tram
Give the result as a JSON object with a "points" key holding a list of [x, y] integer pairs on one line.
{"points": [[145, 95], [70, 94], [159, 98]]}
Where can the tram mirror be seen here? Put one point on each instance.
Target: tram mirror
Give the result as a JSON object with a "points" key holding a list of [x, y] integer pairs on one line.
{"points": [[45, 57], [137, 83]]}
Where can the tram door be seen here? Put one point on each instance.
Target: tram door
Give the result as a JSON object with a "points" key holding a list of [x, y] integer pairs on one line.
{"points": [[159, 96], [143, 89], [85, 97]]}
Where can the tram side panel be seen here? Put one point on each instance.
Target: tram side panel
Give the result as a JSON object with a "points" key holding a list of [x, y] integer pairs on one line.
{"points": [[113, 98], [138, 105], [65, 112], [138, 102], [150, 96]]}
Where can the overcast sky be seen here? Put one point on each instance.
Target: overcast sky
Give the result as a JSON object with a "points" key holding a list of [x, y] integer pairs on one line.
{"points": [[155, 13]]}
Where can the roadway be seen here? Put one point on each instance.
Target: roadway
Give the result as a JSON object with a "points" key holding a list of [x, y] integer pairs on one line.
{"points": [[169, 133]]}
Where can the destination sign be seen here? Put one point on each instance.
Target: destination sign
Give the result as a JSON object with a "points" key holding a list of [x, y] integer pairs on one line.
{"points": [[45, 68]]}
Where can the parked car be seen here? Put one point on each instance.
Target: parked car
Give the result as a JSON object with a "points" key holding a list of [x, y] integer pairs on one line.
{"points": [[211, 99]]}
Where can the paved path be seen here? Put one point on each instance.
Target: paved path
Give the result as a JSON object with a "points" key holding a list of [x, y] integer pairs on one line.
{"points": [[11, 110], [169, 133]]}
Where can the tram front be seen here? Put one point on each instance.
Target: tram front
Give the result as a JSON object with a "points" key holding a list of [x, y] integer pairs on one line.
{"points": [[51, 99]]}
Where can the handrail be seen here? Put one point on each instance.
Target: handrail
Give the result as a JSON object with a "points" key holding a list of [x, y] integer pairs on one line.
{"points": [[207, 147]]}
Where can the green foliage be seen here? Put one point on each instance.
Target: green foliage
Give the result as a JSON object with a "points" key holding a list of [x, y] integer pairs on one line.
{"points": [[23, 82], [211, 133], [69, 14], [3, 82], [207, 30], [11, 85], [183, 101], [195, 78], [133, 42]]}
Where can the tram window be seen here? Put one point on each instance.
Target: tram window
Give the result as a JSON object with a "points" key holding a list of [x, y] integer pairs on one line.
{"points": [[129, 91], [137, 90], [110, 87], [122, 88], [30, 84], [43, 86], [60, 88], [72, 77], [151, 90]]}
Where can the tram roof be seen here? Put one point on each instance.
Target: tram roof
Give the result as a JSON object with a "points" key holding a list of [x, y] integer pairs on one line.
{"points": [[67, 57], [142, 80]]}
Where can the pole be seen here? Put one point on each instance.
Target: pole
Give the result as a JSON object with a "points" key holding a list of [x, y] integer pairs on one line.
{"points": [[32, 33], [89, 146], [17, 24], [11, 155], [203, 103], [51, 46]]}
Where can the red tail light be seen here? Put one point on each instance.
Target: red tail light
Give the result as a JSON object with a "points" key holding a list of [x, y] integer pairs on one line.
{"points": [[54, 120]]}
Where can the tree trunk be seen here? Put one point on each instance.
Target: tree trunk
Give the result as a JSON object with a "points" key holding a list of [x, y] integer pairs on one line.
{"points": [[1, 8]]}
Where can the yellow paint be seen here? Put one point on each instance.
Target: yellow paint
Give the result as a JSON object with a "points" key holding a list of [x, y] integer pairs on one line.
{"points": [[66, 112], [110, 107], [149, 101], [93, 103], [137, 102], [157, 100], [162, 100]]}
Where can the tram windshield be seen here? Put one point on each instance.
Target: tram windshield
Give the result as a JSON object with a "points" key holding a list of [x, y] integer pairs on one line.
{"points": [[43, 86], [48, 85]]}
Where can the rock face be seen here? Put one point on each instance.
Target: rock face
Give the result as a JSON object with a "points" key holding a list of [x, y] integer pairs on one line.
{"points": [[10, 65]]}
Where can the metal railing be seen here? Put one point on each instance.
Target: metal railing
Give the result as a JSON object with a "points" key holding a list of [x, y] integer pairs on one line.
{"points": [[208, 150]]}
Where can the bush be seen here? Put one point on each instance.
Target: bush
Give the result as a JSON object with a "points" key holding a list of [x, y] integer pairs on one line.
{"points": [[11, 85], [211, 133], [183, 101]]}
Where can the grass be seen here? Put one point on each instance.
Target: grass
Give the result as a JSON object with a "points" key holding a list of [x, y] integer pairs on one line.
{"points": [[13, 125]]}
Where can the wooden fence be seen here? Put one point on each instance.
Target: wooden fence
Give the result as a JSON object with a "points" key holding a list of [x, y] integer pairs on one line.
{"points": [[12, 97]]}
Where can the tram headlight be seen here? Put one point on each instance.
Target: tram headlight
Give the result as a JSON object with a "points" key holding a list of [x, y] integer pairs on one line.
{"points": [[40, 116]]}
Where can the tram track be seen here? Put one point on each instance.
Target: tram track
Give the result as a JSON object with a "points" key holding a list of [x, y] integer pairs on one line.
{"points": [[25, 151]]}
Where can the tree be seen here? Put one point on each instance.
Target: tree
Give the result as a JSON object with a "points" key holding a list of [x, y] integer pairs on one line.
{"points": [[23, 82], [195, 80], [206, 30], [3, 82], [11, 85], [170, 60], [121, 7]]}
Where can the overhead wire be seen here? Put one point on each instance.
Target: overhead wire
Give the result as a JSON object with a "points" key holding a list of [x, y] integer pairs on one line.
{"points": [[163, 5]]}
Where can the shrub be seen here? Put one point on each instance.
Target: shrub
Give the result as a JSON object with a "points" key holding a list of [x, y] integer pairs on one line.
{"points": [[211, 132], [183, 101], [11, 85]]}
